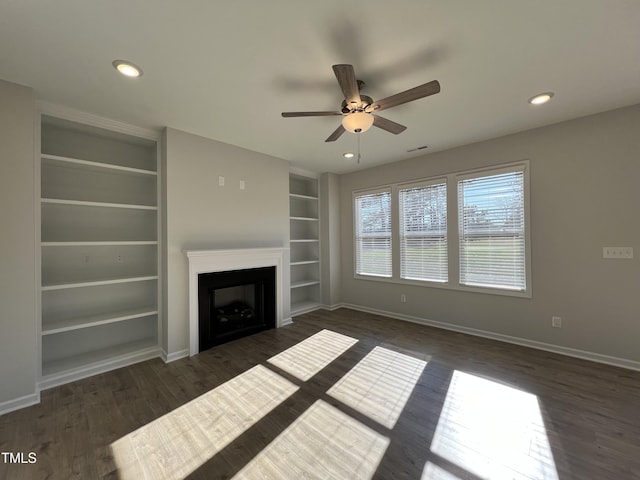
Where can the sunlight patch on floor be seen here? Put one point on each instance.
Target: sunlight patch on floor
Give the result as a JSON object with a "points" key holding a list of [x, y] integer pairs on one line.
{"points": [[176, 444], [323, 443], [493, 431], [434, 472], [305, 359], [380, 385]]}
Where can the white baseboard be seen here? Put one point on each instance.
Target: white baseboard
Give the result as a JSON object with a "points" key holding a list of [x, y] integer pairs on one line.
{"points": [[548, 347], [335, 306], [18, 403], [172, 357], [286, 321], [309, 307], [85, 371]]}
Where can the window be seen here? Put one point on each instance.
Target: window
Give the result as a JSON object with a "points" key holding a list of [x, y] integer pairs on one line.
{"points": [[403, 232], [423, 232], [491, 219], [373, 234]]}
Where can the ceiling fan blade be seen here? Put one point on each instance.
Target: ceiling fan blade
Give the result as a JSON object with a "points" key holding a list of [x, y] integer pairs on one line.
{"points": [[388, 125], [415, 93], [309, 114], [336, 134], [347, 80]]}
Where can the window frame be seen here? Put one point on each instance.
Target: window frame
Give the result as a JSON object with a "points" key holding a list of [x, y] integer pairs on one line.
{"points": [[522, 167], [453, 252], [355, 196], [396, 195]]}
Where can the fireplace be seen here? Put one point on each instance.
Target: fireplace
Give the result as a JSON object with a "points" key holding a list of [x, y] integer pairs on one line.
{"points": [[234, 304], [203, 262]]}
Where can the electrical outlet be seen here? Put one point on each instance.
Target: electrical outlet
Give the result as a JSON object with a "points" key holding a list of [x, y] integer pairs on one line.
{"points": [[85, 259], [617, 252], [120, 259], [403, 298], [242, 185], [221, 181], [556, 322]]}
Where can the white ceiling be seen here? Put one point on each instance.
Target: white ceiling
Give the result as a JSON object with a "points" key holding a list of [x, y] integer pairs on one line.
{"points": [[227, 69]]}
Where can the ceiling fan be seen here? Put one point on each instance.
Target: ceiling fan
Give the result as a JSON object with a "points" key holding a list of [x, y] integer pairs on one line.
{"points": [[358, 110]]}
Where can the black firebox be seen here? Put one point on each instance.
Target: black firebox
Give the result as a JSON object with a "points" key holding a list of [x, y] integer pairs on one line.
{"points": [[235, 304]]}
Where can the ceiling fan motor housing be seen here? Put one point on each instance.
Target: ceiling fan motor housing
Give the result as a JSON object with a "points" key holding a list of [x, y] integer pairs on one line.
{"points": [[363, 106]]}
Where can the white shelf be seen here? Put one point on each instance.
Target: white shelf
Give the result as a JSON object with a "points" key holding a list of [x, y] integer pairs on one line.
{"points": [[303, 197], [304, 262], [303, 187], [97, 204], [95, 320], [98, 244], [88, 164], [99, 230], [304, 238], [304, 283], [86, 361], [111, 281], [91, 222]]}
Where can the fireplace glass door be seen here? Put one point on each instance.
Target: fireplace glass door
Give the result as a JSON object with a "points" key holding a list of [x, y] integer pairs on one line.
{"points": [[234, 304]]}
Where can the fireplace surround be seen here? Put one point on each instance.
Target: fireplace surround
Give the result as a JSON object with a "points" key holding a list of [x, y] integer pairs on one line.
{"points": [[210, 261]]}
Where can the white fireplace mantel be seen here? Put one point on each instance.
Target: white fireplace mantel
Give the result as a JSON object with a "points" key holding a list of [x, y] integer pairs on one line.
{"points": [[208, 261]]}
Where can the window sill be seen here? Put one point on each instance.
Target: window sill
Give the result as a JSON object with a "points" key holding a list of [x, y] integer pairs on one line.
{"points": [[447, 286]]}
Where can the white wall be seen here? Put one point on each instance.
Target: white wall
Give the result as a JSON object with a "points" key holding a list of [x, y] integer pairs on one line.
{"points": [[202, 215], [584, 195], [18, 295]]}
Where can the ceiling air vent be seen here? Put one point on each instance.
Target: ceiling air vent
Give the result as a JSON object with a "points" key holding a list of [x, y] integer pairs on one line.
{"points": [[416, 149]]}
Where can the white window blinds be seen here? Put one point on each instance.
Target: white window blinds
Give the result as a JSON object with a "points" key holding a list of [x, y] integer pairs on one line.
{"points": [[423, 232], [373, 234], [491, 216]]}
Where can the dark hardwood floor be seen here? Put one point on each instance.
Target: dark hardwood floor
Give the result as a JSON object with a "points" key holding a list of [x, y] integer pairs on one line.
{"points": [[425, 404]]}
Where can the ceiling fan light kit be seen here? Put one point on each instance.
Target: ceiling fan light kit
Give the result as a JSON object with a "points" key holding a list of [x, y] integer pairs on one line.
{"points": [[357, 122], [357, 110]]}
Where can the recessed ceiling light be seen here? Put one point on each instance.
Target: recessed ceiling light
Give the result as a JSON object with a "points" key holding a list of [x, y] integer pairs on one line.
{"points": [[348, 155], [127, 69], [540, 98]]}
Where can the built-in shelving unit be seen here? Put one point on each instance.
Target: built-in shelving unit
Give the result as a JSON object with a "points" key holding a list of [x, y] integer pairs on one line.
{"points": [[304, 243], [99, 248]]}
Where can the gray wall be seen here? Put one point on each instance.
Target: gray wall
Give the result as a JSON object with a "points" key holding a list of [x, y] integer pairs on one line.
{"points": [[584, 195], [202, 215], [330, 251], [18, 294]]}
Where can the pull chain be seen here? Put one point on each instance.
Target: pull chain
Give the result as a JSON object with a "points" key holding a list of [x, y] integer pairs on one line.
{"points": [[358, 135]]}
